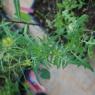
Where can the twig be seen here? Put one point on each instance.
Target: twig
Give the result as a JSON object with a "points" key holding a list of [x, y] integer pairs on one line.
{"points": [[22, 22], [88, 30]]}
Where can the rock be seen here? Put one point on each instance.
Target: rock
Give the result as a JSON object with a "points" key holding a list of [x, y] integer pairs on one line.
{"points": [[71, 80], [35, 30]]}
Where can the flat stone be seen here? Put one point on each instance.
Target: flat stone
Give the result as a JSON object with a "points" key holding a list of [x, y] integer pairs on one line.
{"points": [[71, 80]]}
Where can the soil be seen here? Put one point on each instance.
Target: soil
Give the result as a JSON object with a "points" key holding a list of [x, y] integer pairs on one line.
{"points": [[2, 82], [47, 10], [89, 9]]}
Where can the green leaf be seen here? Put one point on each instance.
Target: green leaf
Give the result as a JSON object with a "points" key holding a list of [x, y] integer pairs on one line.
{"points": [[25, 17], [17, 8], [45, 74]]}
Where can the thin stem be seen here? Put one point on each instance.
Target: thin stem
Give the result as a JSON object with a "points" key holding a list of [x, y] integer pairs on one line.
{"points": [[22, 22]]}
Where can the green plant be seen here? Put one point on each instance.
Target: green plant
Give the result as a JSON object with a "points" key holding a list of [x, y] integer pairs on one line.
{"points": [[9, 88], [71, 4], [72, 27], [18, 50]]}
